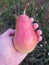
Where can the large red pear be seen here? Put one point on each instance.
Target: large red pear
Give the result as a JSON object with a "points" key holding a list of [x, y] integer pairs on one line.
{"points": [[25, 39]]}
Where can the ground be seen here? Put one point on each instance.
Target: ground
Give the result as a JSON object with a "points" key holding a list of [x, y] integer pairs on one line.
{"points": [[39, 9]]}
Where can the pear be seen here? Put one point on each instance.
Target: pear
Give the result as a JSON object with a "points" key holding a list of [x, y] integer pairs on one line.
{"points": [[25, 38]]}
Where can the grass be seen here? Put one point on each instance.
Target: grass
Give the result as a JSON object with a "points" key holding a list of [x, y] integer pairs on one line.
{"points": [[39, 9]]}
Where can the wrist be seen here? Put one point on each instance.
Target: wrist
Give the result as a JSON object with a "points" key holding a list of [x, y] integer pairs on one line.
{"points": [[3, 61]]}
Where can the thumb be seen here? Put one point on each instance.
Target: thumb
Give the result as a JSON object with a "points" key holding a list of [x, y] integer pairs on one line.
{"points": [[9, 32]]}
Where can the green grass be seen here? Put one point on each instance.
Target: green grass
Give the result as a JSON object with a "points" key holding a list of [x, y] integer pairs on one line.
{"points": [[39, 9]]}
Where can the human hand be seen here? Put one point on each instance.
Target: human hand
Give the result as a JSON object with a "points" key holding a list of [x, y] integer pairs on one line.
{"points": [[7, 51], [8, 54]]}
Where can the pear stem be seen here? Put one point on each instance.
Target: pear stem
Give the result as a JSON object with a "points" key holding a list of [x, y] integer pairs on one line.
{"points": [[27, 4]]}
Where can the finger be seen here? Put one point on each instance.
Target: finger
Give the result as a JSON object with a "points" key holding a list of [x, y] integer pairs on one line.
{"points": [[39, 32], [31, 19], [39, 39], [35, 26], [9, 32]]}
